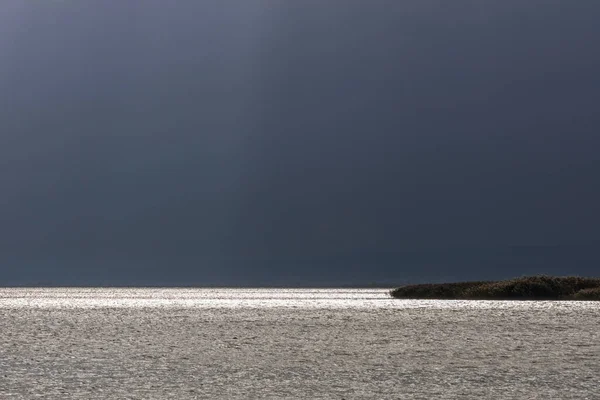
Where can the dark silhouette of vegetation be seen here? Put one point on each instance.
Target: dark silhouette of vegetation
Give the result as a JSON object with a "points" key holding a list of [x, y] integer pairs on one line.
{"points": [[588, 294], [525, 288]]}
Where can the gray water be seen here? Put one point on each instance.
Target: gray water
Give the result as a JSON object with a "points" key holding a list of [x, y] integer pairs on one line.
{"points": [[291, 344]]}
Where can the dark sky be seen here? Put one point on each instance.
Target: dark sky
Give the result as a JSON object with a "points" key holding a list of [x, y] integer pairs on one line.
{"points": [[298, 142]]}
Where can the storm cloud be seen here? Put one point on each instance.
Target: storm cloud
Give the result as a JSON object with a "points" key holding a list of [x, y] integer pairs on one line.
{"points": [[260, 142]]}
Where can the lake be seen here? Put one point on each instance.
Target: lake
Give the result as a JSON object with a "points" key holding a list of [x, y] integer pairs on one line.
{"points": [[290, 344]]}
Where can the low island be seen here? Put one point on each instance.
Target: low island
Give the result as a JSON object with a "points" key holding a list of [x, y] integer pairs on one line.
{"points": [[525, 288]]}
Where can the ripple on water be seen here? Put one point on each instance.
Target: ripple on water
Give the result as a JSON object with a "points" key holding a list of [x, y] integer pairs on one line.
{"points": [[93, 343]]}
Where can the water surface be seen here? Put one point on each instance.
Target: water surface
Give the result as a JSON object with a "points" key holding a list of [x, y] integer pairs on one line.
{"points": [[291, 343]]}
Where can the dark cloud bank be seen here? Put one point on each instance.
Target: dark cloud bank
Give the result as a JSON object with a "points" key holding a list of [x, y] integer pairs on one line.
{"points": [[298, 143]]}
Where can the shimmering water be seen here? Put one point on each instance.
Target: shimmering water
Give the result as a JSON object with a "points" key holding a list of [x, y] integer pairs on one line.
{"points": [[290, 344]]}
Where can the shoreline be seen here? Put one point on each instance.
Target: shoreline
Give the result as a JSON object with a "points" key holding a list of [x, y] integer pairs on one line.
{"points": [[525, 288]]}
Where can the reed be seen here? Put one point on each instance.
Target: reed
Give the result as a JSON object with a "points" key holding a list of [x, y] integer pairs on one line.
{"points": [[541, 287]]}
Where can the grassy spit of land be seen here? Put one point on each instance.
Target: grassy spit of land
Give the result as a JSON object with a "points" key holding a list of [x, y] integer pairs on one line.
{"points": [[525, 288]]}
